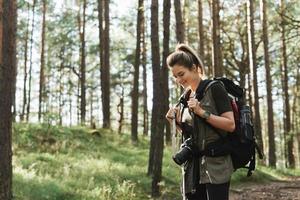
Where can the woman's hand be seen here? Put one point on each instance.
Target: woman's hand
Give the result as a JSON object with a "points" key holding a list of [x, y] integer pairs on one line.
{"points": [[225, 121], [172, 113], [194, 106]]}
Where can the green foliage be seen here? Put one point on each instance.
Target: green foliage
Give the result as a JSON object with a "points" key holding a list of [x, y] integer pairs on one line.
{"points": [[73, 163], [78, 163]]}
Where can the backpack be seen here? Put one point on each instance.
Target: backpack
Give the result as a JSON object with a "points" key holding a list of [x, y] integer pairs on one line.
{"points": [[240, 144]]}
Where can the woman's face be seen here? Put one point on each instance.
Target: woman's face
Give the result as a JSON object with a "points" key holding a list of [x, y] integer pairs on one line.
{"points": [[185, 76]]}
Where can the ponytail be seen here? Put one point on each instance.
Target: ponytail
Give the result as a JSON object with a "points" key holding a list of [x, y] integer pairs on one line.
{"points": [[184, 55]]}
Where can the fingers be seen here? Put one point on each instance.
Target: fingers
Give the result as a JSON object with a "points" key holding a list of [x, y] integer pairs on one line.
{"points": [[192, 103], [171, 114]]}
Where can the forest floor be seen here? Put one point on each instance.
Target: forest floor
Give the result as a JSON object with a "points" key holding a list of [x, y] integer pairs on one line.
{"points": [[288, 189]]}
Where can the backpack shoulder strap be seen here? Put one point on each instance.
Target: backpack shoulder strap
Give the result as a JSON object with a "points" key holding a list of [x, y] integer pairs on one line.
{"points": [[203, 88], [212, 83]]}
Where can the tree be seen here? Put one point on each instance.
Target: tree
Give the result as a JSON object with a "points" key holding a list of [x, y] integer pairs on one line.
{"points": [[157, 120], [235, 37], [285, 88], [42, 67], [217, 60], [144, 64], [200, 29], [253, 73], [30, 62], [180, 27], [165, 70], [103, 12], [8, 21], [264, 19], [135, 91], [82, 77], [25, 65]]}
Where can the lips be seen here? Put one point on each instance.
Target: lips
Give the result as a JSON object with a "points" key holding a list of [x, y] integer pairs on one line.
{"points": [[183, 83]]}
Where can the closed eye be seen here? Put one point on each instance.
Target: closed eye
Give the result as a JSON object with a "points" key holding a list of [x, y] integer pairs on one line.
{"points": [[180, 74]]}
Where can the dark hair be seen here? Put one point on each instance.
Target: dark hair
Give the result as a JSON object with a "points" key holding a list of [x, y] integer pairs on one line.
{"points": [[185, 56]]}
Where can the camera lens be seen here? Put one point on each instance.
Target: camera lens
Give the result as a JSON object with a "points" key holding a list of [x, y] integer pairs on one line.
{"points": [[183, 155]]}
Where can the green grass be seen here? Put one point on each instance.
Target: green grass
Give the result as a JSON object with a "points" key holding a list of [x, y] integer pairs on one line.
{"points": [[60, 163], [71, 163]]}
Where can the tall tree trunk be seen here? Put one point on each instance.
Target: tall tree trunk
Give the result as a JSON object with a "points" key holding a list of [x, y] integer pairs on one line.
{"points": [[253, 72], [285, 88], [270, 120], [103, 10], [101, 50], [157, 121], [165, 70], [200, 29], [295, 109], [60, 90], [186, 20], [217, 60], [106, 89], [25, 67], [30, 62], [296, 121], [135, 92], [120, 108], [144, 64], [42, 68], [180, 27], [8, 21], [81, 27]]}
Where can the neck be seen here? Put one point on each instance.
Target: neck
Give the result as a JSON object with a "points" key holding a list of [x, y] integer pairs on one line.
{"points": [[195, 84]]}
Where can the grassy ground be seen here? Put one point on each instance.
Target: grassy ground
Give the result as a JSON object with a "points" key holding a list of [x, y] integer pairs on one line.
{"points": [[81, 164]]}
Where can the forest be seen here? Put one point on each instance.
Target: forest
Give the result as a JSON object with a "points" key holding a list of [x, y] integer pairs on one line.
{"points": [[82, 78]]}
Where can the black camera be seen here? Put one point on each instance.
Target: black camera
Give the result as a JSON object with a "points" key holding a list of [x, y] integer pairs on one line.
{"points": [[185, 153]]}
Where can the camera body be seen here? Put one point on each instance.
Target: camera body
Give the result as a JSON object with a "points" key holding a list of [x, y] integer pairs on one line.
{"points": [[185, 153]]}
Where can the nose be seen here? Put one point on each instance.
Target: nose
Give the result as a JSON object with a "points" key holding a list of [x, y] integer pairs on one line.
{"points": [[178, 80]]}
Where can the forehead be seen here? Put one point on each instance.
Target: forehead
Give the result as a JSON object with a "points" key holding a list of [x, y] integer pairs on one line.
{"points": [[178, 68]]}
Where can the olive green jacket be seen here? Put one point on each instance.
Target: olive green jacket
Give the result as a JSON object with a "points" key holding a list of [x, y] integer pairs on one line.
{"points": [[215, 170]]}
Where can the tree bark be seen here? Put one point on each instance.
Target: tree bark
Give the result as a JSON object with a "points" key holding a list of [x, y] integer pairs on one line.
{"points": [[103, 12], [144, 64], [200, 30], [217, 60], [81, 26], [157, 121], [8, 24], [25, 67], [165, 70], [120, 108], [270, 119], [30, 62], [61, 84], [285, 88], [135, 91], [253, 73], [180, 27], [42, 67]]}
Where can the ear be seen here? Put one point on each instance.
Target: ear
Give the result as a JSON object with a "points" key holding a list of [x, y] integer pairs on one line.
{"points": [[197, 68], [200, 70], [194, 68]]}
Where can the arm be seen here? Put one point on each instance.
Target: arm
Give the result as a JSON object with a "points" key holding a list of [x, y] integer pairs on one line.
{"points": [[171, 114], [224, 119]]}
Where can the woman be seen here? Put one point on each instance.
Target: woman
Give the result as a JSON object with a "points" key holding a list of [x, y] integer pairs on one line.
{"points": [[206, 117]]}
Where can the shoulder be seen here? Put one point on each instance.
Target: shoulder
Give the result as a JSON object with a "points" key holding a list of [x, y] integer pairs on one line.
{"points": [[216, 87]]}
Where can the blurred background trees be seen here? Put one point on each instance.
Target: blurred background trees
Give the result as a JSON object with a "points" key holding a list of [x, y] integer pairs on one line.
{"points": [[101, 63]]}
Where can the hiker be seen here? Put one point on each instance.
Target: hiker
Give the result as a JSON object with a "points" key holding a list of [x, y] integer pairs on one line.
{"points": [[204, 114]]}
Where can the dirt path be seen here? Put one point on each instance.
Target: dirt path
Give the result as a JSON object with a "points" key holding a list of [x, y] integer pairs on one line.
{"points": [[275, 190]]}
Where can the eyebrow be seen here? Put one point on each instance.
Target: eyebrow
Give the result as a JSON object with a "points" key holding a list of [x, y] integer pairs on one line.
{"points": [[178, 73]]}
